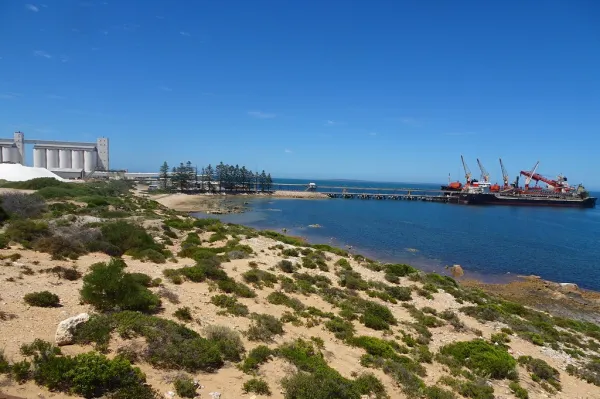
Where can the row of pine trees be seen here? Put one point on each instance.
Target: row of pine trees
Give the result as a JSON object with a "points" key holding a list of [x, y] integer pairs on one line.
{"points": [[222, 177]]}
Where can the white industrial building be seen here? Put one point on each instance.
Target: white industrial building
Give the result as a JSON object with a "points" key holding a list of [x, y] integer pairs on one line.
{"points": [[70, 160]]}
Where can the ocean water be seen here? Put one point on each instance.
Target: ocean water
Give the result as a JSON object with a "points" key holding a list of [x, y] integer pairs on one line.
{"points": [[492, 243]]}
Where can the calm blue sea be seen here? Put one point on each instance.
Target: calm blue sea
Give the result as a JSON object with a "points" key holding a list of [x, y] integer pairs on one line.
{"points": [[492, 243]]}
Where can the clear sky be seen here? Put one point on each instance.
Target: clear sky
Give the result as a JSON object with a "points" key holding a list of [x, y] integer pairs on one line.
{"points": [[375, 90]]}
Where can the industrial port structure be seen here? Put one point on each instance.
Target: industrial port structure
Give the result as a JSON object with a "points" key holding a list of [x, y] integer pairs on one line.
{"points": [[67, 159]]}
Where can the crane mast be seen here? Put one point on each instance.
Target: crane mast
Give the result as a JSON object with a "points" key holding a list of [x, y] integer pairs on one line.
{"points": [[485, 176], [467, 170], [504, 175]]}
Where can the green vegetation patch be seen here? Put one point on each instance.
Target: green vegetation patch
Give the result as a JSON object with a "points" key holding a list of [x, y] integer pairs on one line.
{"points": [[107, 287], [482, 358], [42, 299], [257, 356], [169, 345], [257, 386], [542, 372]]}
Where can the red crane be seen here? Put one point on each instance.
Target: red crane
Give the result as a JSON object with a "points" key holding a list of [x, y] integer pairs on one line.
{"points": [[558, 185]]}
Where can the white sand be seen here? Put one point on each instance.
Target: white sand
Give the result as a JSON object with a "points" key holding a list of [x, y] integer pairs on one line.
{"points": [[17, 172]]}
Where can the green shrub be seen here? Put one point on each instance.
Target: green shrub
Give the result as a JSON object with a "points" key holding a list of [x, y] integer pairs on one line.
{"points": [[257, 356], [227, 340], [66, 273], [368, 384], [342, 329], [482, 358], [107, 287], [230, 304], [184, 314], [476, 390], [88, 374], [399, 270], [129, 237], [279, 298], [60, 247], [343, 263], [21, 371], [148, 254], [26, 231], [541, 371], [399, 293], [185, 387], [290, 252], [259, 278], [436, 392], [43, 299], [4, 365], [230, 286], [286, 266], [264, 327], [377, 317], [257, 386], [352, 280], [518, 390], [142, 279]]}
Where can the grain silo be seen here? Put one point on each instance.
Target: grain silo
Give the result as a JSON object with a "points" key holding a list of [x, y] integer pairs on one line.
{"points": [[52, 158], [77, 159], [89, 161], [64, 158], [39, 157]]}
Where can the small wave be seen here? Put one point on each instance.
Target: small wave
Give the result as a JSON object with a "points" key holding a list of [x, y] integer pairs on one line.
{"points": [[273, 210], [411, 250]]}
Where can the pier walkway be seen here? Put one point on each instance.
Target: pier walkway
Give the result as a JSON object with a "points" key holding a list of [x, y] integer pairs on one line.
{"points": [[376, 193]]}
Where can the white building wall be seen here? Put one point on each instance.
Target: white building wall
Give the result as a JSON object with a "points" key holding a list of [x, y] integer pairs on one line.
{"points": [[64, 159], [1, 154], [89, 160], [77, 161], [39, 157], [52, 159]]}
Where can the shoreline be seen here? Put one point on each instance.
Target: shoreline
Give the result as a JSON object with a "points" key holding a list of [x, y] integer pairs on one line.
{"points": [[563, 298]]}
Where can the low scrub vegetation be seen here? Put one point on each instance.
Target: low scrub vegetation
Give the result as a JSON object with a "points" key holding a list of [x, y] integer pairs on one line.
{"points": [[257, 386], [264, 327], [257, 356], [480, 357], [108, 287], [43, 299]]}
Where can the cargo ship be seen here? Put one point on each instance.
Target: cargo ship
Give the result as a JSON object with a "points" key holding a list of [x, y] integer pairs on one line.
{"points": [[557, 193]]}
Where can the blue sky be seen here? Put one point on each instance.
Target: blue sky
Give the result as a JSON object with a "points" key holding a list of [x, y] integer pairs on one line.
{"points": [[376, 90]]}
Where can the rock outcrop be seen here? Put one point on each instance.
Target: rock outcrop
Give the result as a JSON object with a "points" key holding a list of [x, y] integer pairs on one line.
{"points": [[64, 331], [456, 271]]}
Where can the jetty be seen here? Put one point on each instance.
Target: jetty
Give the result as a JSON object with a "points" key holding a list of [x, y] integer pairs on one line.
{"points": [[375, 193]]}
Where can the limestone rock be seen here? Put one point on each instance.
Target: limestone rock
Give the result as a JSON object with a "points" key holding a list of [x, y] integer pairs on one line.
{"points": [[568, 287], [64, 331], [456, 271]]}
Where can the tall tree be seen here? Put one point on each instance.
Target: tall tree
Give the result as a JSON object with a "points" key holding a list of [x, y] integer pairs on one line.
{"points": [[263, 181], [220, 174], [202, 179], [269, 182], [209, 177], [163, 175]]}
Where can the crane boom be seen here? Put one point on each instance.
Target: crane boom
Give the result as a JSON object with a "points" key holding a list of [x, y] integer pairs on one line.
{"points": [[485, 176], [529, 175], [504, 174], [467, 170]]}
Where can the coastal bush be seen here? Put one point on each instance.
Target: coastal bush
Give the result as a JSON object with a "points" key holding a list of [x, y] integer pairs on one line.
{"points": [[60, 247], [482, 358], [65, 273], [185, 387], [227, 340], [148, 254], [184, 314], [21, 205], [589, 371], [230, 286], [329, 248], [377, 317], [279, 298], [290, 252], [87, 374], [286, 266], [35, 184], [435, 392], [298, 242], [344, 264], [518, 390], [179, 224], [107, 286], [26, 231], [478, 389], [399, 293], [399, 270], [264, 327], [129, 237], [230, 304], [259, 278], [43, 299], [342, 329], [541, 371], [257, 386], [352, 280], [257, 356]]}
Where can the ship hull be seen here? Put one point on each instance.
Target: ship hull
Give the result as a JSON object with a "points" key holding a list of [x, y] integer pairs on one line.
{"points": [[499, 199]]}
